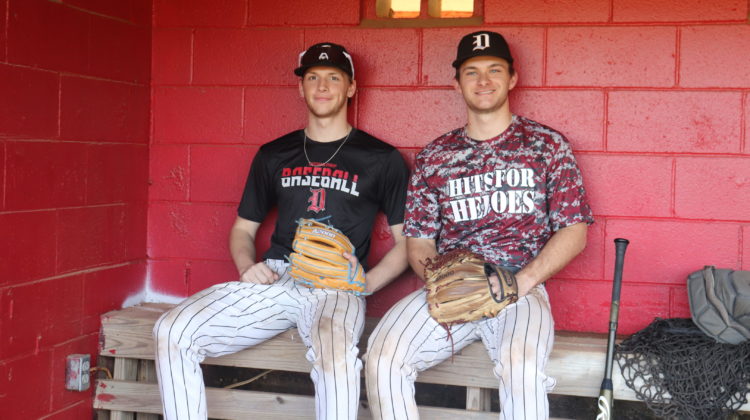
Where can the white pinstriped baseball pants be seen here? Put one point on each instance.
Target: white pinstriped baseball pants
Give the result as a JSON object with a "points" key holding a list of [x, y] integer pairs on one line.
{"points": [[407, 340], [230, 317]]}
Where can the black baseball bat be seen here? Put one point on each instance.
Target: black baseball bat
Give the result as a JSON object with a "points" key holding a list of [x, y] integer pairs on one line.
{"points": [[605, 392]]}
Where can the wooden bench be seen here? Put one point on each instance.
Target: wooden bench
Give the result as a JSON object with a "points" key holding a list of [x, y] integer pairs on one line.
{"points": [[577, 362]]}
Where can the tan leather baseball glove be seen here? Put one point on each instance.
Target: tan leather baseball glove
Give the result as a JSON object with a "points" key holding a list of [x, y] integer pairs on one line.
{"points": [[459, 290], [317, 260]]}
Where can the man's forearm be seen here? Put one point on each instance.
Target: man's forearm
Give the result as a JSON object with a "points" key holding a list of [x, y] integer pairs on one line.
{"points": [[393, 263], [562, 247], [242, 243], [419, 251]]}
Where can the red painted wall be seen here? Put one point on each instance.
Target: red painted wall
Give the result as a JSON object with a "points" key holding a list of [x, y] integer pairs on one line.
{"points": [[652, 95], [74, 131]]}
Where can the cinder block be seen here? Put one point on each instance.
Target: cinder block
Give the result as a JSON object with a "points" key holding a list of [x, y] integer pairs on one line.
{"points": [[42, 175], [665, 252], [2, 175], [29, 103], [189, 230], [95, 236], [205, 273], [19, 375], [589, 264], [49, 35], [619, 185], [36, 317], [192, 13], [382, 57], [390, 114], [379, 303], [679, 306], [83, 344], [120, 51], [611, 56], [218, 173], [584, 130], [197, 114], [171, 56], [679, 11], [746, 140], [745, 249], [639, 304], [246, 56], [271, 112], [170, 276], [705, 49], [303, 13], [542, 11], [439, 51], [3, 26], [99, 110], [25, 257], [713, 188], [382, 240], [680, 122], [169, 172], [106, 290], [125, 10], [117, 173]]}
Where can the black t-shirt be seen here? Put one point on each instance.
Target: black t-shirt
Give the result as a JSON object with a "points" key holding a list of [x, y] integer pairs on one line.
{"points": [[364, 176]]}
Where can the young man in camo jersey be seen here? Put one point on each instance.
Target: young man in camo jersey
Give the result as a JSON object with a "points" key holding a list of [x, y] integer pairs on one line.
{"points": [[504, 187], [327, 170]]}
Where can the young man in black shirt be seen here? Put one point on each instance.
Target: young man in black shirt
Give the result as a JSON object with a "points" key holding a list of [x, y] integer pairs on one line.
{"points": [[327, 170]]}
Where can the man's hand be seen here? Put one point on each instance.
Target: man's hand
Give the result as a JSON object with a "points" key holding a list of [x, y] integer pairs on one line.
{"points": [[353, 262], [259, 273], [524, 287]]}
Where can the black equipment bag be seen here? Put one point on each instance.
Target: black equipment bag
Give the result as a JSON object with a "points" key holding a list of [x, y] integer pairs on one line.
{"points": [[720, 303]]}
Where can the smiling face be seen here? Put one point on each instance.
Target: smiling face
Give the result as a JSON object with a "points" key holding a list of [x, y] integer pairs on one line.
{"points": [[326, 91], [485, 83]]}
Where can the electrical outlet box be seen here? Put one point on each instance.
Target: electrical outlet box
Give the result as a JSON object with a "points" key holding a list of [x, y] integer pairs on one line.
{"points": [[77, 373]]}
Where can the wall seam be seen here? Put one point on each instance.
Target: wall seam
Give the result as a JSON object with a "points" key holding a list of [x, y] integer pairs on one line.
{"points": [[673, 187], [545, 54], [745, 99], [5, 174], [6, 29], [677, 56], [192, 56]]}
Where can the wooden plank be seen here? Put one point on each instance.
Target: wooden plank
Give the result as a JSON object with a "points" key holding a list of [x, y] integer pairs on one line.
{"points": [[478, 399], [573, 361], [147, 373], [576, 362], [125, 369], [240, 405]]}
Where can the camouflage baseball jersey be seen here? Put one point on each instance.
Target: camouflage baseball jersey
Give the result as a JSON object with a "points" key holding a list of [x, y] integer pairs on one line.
{"points": [[501, 198]]}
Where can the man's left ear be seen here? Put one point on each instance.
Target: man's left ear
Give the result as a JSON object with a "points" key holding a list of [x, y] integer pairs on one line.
{"points": [[513, 81], [352, 89]]}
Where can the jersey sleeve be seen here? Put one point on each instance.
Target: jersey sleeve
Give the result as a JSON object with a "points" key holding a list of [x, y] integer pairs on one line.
{"points": [[566, 195], [393, 184], [422, 218], [259, 194]]}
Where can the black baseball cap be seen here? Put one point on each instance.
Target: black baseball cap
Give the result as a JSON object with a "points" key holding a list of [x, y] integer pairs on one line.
{"points": [[482, 43], [325, 54]]}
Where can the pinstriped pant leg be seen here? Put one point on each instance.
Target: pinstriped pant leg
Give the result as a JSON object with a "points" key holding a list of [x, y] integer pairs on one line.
{"points": [[519, 341], [406, 341], [331, 325], [223, 319]]}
